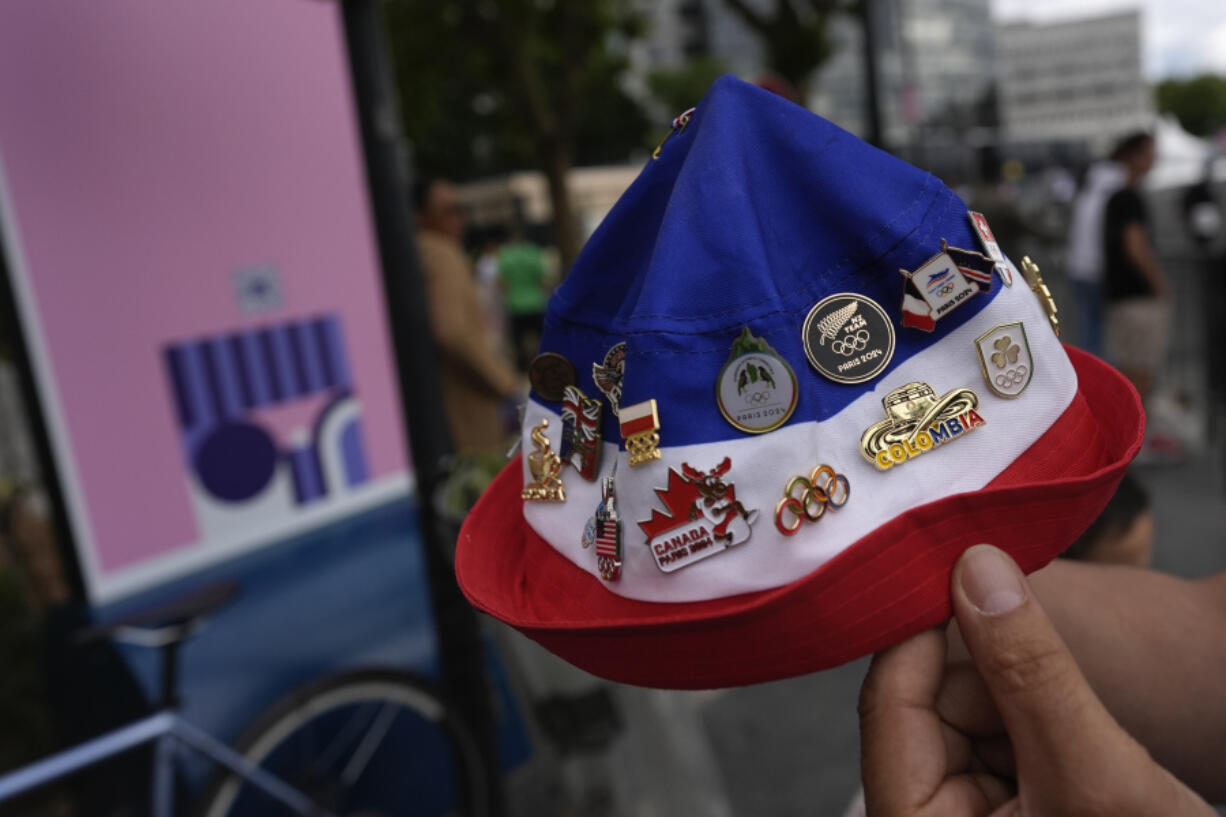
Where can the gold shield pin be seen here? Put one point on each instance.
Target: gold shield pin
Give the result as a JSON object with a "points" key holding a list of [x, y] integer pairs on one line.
{"points": [[1005, 359]]}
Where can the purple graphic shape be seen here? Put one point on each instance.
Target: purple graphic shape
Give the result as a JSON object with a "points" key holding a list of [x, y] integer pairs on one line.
{"points": [[333, 345], [308, 478], [310, 371], [354, 457], [224, 382], [269, 358], [235, 461], [284, 368], [220, 366], [257, 375]]}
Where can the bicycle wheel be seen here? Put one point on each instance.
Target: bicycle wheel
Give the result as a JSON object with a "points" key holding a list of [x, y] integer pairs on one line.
{"points": [[375, 743]]}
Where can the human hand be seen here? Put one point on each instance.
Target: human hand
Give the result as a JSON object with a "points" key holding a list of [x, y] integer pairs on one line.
{"points": [[1017, 732]]}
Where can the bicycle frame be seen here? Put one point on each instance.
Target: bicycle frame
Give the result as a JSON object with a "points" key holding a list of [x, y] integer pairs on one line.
{"points": [[168, 730]]}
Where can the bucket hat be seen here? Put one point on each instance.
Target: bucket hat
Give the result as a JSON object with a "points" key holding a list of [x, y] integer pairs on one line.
{"points": [[789, 380]]}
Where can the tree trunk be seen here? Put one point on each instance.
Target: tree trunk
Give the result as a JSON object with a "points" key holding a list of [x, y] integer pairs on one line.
{"points": [[555, 163]]}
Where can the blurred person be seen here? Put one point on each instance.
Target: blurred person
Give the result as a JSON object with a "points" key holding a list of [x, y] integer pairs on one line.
{"points": [[475, 380], [1205, 219], [1082, 689], [1137, 290], [1085, 250], [1123, 534], [493, 302], [521, 265]]}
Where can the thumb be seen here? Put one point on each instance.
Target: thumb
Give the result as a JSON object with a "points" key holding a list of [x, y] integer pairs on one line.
{"points": [[1047, 705]]}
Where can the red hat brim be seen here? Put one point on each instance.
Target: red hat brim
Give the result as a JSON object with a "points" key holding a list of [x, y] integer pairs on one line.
{"points": [[889, 585]]}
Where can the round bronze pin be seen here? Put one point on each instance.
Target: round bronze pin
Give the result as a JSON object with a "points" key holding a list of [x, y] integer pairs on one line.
{"points": [[550, 373], [848, 338]]}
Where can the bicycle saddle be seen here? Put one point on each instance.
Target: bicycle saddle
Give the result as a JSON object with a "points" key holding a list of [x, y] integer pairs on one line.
{"points": [[172, 620]]}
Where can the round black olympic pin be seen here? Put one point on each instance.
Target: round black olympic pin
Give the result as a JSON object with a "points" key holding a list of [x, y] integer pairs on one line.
{"points": [[848, 338]]}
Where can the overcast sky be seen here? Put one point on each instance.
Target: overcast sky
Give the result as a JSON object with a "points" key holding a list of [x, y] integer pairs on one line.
{"points": [[1180, 37]]}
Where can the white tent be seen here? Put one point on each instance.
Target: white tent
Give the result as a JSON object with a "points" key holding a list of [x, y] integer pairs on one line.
{"points": [[1182, 157]]}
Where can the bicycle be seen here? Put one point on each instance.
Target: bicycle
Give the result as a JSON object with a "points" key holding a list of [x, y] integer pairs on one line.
{"points": [[334, 747]]}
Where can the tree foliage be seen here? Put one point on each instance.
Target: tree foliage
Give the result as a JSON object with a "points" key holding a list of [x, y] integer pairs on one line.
{"points": [[795, 35], [1198, 103], [680, 88], [489, 86]]}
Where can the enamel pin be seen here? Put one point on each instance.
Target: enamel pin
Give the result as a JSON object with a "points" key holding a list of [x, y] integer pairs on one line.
{"points": [[580, 432], [609, 374], [944, 282], [980, 225], [640, 426], [701, 517], [546, 469], [1030, 271], [550, 373], [848, 338], [604, 530], [809, 497], [1005, 359], [918, 421], [756, 390]]}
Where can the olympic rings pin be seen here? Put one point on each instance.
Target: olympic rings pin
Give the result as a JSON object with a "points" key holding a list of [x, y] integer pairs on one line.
{"points": [[809, 497], [1012, 378], [855, 343]]}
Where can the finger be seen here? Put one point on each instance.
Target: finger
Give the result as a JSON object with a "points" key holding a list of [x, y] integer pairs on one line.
{"points": [[902, 746], [965, 703], [996, 756], [1045, 702], [974, 794]]}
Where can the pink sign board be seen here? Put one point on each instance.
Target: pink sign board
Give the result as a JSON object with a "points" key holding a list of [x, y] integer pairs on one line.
{"points": [[186, 224]]}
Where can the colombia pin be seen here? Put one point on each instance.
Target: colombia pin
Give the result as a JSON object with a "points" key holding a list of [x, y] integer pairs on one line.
{"points": [[918, 421]]}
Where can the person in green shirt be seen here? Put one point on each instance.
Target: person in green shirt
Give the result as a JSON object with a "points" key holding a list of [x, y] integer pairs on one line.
{"points": [[521, 266]]}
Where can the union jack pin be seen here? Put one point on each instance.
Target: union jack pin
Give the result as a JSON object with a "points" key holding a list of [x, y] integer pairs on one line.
{"points": [[580, 432]]}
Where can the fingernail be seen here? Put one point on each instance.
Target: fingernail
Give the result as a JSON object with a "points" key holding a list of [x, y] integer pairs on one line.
{"points": [[990, 580]]}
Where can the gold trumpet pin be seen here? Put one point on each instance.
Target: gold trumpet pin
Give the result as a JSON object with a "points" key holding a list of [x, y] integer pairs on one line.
{"points": [[546, 468]]}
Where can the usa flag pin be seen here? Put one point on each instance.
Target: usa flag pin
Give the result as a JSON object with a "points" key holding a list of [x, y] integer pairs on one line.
{"points": [[604, 530]]}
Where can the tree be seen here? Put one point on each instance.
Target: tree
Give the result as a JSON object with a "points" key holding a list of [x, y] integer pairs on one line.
{"points": [[796, 36], [1198, 103], [680, 88], [489, 86]]}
